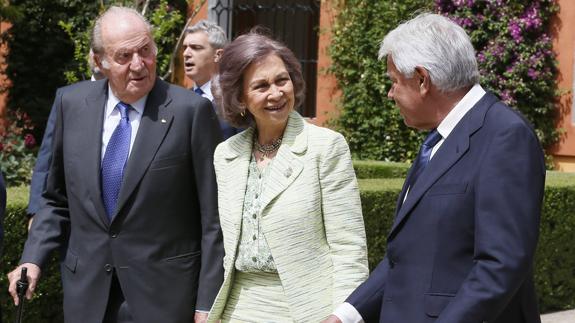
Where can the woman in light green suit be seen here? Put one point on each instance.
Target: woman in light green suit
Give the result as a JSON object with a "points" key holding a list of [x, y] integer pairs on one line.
{"points": [[288, 198]]}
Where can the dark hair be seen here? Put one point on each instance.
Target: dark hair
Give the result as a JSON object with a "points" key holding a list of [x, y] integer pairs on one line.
{"points": [[238, 55]]}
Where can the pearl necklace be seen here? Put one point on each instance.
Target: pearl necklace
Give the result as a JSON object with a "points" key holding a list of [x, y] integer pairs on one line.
{"points": [[267, 149]]}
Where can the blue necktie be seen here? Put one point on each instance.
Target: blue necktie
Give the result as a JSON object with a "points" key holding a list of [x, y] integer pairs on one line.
{"points": [[199, 91], [115, 160], [424, 155]]}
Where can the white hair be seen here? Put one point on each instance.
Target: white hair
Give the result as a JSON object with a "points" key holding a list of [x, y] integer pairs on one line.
{"points": [[97, 44], [437, 44], [216, 34]]}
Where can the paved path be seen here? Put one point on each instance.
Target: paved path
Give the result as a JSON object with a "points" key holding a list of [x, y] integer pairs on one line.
{"points": [[559, 317]]}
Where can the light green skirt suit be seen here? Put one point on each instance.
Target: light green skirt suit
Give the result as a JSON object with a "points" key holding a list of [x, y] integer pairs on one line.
{"points": [[311, 219]]}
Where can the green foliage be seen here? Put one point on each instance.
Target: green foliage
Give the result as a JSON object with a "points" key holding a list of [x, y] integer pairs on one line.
{"points": [[17, 148], [514, 55], [78, 28], [168, 20], [168, 24], [555, 258], [369, 121], [49, 46], [46, 306], [38, 52], [377, 169]]}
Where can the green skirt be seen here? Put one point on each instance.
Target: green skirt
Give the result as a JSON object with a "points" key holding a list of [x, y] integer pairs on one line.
{"points": [[256, 298]]}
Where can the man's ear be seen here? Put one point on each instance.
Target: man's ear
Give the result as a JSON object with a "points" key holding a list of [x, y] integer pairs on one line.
{"points": [[218, 55], [98, 62], [424, 80]]}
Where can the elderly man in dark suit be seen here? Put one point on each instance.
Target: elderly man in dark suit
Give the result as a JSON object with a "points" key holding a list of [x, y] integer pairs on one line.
{"points": [[467, 220], [131, 196]]}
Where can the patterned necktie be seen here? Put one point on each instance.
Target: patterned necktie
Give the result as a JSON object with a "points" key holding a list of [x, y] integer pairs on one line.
{"points": [[424, 155], [115, 160], [199, 91]]}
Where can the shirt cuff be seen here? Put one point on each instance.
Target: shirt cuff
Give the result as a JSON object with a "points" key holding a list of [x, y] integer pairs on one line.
{"points": [[348, 314], [202, 311]]}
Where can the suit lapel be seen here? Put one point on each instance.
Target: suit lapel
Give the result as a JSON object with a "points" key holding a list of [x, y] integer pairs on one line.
{"points": [[452, 149], [154, 125], [286, 166], [94, 108]]}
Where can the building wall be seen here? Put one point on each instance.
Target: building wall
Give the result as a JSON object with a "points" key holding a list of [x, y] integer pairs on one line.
{"points": [[564, 46]]}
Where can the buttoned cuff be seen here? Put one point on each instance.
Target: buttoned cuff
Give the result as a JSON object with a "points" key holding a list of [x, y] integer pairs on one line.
{"points": [[348, 314]]}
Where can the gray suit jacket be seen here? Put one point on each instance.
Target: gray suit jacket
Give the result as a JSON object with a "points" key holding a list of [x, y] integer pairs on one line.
{"points": [[164, 242]]}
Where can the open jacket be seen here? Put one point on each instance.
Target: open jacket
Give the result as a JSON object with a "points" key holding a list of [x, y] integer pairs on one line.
{"points": [[311, 217]]}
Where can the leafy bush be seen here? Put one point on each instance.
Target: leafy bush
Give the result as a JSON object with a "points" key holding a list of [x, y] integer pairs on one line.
{"points": [[38, 53], [370, 122], [168, 20], [49, 46], [46, 306], [514, 53], [17, 148], [377, 169]]}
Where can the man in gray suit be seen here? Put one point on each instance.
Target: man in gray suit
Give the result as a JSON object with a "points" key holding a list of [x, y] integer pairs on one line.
{"points": [[131, 194]]}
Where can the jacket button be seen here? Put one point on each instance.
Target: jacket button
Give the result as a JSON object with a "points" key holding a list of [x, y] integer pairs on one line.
{"points": [[391, 262], [108, 268], [114, 235]]}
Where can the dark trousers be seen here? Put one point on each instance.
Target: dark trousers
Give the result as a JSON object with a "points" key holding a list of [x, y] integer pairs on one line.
{"points": [[117, 310]]}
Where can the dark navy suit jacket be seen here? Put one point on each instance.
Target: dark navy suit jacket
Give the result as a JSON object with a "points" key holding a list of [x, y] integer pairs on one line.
{"points": [[462, 243], [40, 174]]}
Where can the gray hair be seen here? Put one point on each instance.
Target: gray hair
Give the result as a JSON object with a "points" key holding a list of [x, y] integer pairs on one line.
{"points": [[216, 35], [437, 44], [96, 42]]}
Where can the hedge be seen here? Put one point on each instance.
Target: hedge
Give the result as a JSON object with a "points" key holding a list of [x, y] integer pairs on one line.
{"points": [[554, 263]]}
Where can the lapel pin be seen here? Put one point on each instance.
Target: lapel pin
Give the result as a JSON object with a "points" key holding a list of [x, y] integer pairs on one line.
{"points": [[288, 172], [163, 121]]}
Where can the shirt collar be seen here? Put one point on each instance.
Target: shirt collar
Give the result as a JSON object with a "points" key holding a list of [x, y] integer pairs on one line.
{"points": [[138, 106], [207, 89], [461, 108]]}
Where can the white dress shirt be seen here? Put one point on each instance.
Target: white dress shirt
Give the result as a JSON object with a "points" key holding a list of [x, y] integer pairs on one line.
{"points": [[112, 119], [346, 312], [207, 89]]}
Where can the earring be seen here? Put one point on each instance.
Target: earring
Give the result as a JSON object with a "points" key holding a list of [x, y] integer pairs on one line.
{"points": [[281, 93], [243, 113]]}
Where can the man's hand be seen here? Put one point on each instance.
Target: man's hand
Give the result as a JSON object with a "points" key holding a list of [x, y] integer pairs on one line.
{"points": [[332, 319], [33, 276], [200, 317]]}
